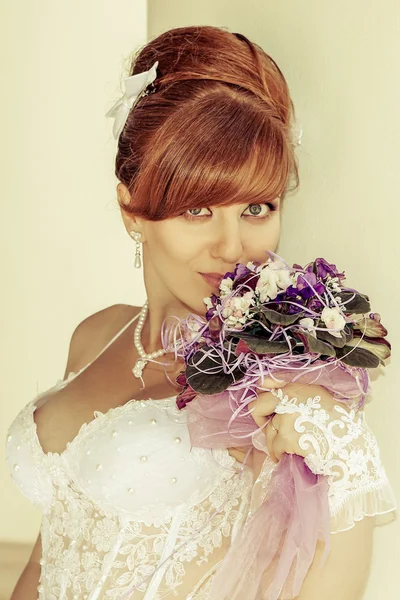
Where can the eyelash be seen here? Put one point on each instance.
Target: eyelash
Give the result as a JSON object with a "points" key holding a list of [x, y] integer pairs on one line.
{"points": [[271, 206]]}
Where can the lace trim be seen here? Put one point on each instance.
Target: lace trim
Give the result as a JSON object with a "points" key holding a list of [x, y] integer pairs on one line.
{"points": [[374, 498], [376, 501]]}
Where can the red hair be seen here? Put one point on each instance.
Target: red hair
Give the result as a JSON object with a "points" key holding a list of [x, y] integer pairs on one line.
{"points": [[217, 130]]}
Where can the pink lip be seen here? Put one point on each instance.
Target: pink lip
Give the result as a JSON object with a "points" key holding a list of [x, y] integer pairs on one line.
{"points": [[212, 279]]}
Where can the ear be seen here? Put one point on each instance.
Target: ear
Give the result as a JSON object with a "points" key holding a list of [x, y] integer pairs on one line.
{"points": [[131, 222]]}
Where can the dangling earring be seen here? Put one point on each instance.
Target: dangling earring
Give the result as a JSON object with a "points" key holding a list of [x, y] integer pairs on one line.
{"points": [[136, 236]]}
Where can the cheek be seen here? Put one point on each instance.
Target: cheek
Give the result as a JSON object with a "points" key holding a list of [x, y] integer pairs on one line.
{"points": [[174, 258], [266, 238], [173, 247]]}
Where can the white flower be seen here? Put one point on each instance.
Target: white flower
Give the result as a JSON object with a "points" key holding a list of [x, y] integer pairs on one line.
{"points": [[251, 266], [333, 320], [207, 301], [277, 265], [267, 284], [308, 324], [193, 328], [274, 278], [225, 287], [332, 282], [236, 309], [285, 279]]}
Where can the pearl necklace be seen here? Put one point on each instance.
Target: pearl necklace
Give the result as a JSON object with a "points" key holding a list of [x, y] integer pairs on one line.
{"points": [[144, 358]]}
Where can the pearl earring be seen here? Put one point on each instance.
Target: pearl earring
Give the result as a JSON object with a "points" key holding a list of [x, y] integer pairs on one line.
{"points": [[136, 236]]}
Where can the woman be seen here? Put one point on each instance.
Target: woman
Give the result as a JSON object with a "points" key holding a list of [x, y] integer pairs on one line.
{"points": [[205, 158]]}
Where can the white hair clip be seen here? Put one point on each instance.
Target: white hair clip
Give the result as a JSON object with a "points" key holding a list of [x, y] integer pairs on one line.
{"points": [[135, 88]]}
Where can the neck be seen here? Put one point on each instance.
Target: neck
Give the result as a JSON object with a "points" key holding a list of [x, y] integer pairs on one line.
{"points": [[163, 308], [150, 337]]}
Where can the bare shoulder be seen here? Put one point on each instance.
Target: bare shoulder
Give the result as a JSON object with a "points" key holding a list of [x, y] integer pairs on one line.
{"points": [[59, 418], [94, 332]]}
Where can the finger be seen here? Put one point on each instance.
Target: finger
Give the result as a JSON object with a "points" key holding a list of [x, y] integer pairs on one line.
{"points": [[264, 405], [260, 420], [270, 383], [270, 435]]}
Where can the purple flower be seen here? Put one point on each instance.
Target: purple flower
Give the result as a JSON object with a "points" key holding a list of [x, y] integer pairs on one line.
{"points": [[214, 301], [290, 292], [293, 308], [303, 287], [210, 313], [315, 304], [239, 271], [324, 269], [229, 274]]}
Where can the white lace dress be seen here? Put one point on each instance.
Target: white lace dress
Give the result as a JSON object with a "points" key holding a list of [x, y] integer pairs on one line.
{"points": [[131, 510]]}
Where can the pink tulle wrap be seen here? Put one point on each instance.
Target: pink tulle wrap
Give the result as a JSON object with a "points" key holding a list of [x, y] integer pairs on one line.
{"points": [[271, 554]]}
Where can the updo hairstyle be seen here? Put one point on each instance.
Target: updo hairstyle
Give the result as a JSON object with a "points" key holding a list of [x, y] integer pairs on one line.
{"points": [[217, 128]]}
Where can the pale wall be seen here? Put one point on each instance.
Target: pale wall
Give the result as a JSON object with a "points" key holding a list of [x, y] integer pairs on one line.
{"points": [[341, 60], [64, 251]]}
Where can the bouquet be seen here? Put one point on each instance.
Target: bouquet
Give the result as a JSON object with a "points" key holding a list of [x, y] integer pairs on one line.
{"points": [[292, 324], [281, 318]]}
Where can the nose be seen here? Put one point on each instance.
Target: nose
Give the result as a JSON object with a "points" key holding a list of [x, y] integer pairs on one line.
{"points": [[227, 243]]}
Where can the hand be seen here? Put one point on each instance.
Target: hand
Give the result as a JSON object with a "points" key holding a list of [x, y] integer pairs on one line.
{"points": [[320, 434], [335, 442], [256, 457]]}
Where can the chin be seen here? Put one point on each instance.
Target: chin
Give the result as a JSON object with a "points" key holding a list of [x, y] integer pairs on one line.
{"points": [[199, 307]]}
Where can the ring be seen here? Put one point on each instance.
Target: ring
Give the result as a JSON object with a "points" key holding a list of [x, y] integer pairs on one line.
{"points": [[272, 425]]}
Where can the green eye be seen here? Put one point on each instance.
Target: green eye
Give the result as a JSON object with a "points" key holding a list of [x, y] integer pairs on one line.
{"points": [[252, 206], [257, 212]]}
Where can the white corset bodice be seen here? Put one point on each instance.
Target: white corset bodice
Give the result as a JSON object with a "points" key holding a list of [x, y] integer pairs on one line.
{"points": [[129, 460], [124, 495]]}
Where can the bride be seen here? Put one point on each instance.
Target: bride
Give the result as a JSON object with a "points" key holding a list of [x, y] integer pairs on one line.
{"points": [[205, 159]]}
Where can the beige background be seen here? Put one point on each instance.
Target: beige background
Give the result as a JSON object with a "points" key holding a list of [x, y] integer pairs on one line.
{"points": [[64, 252]]}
